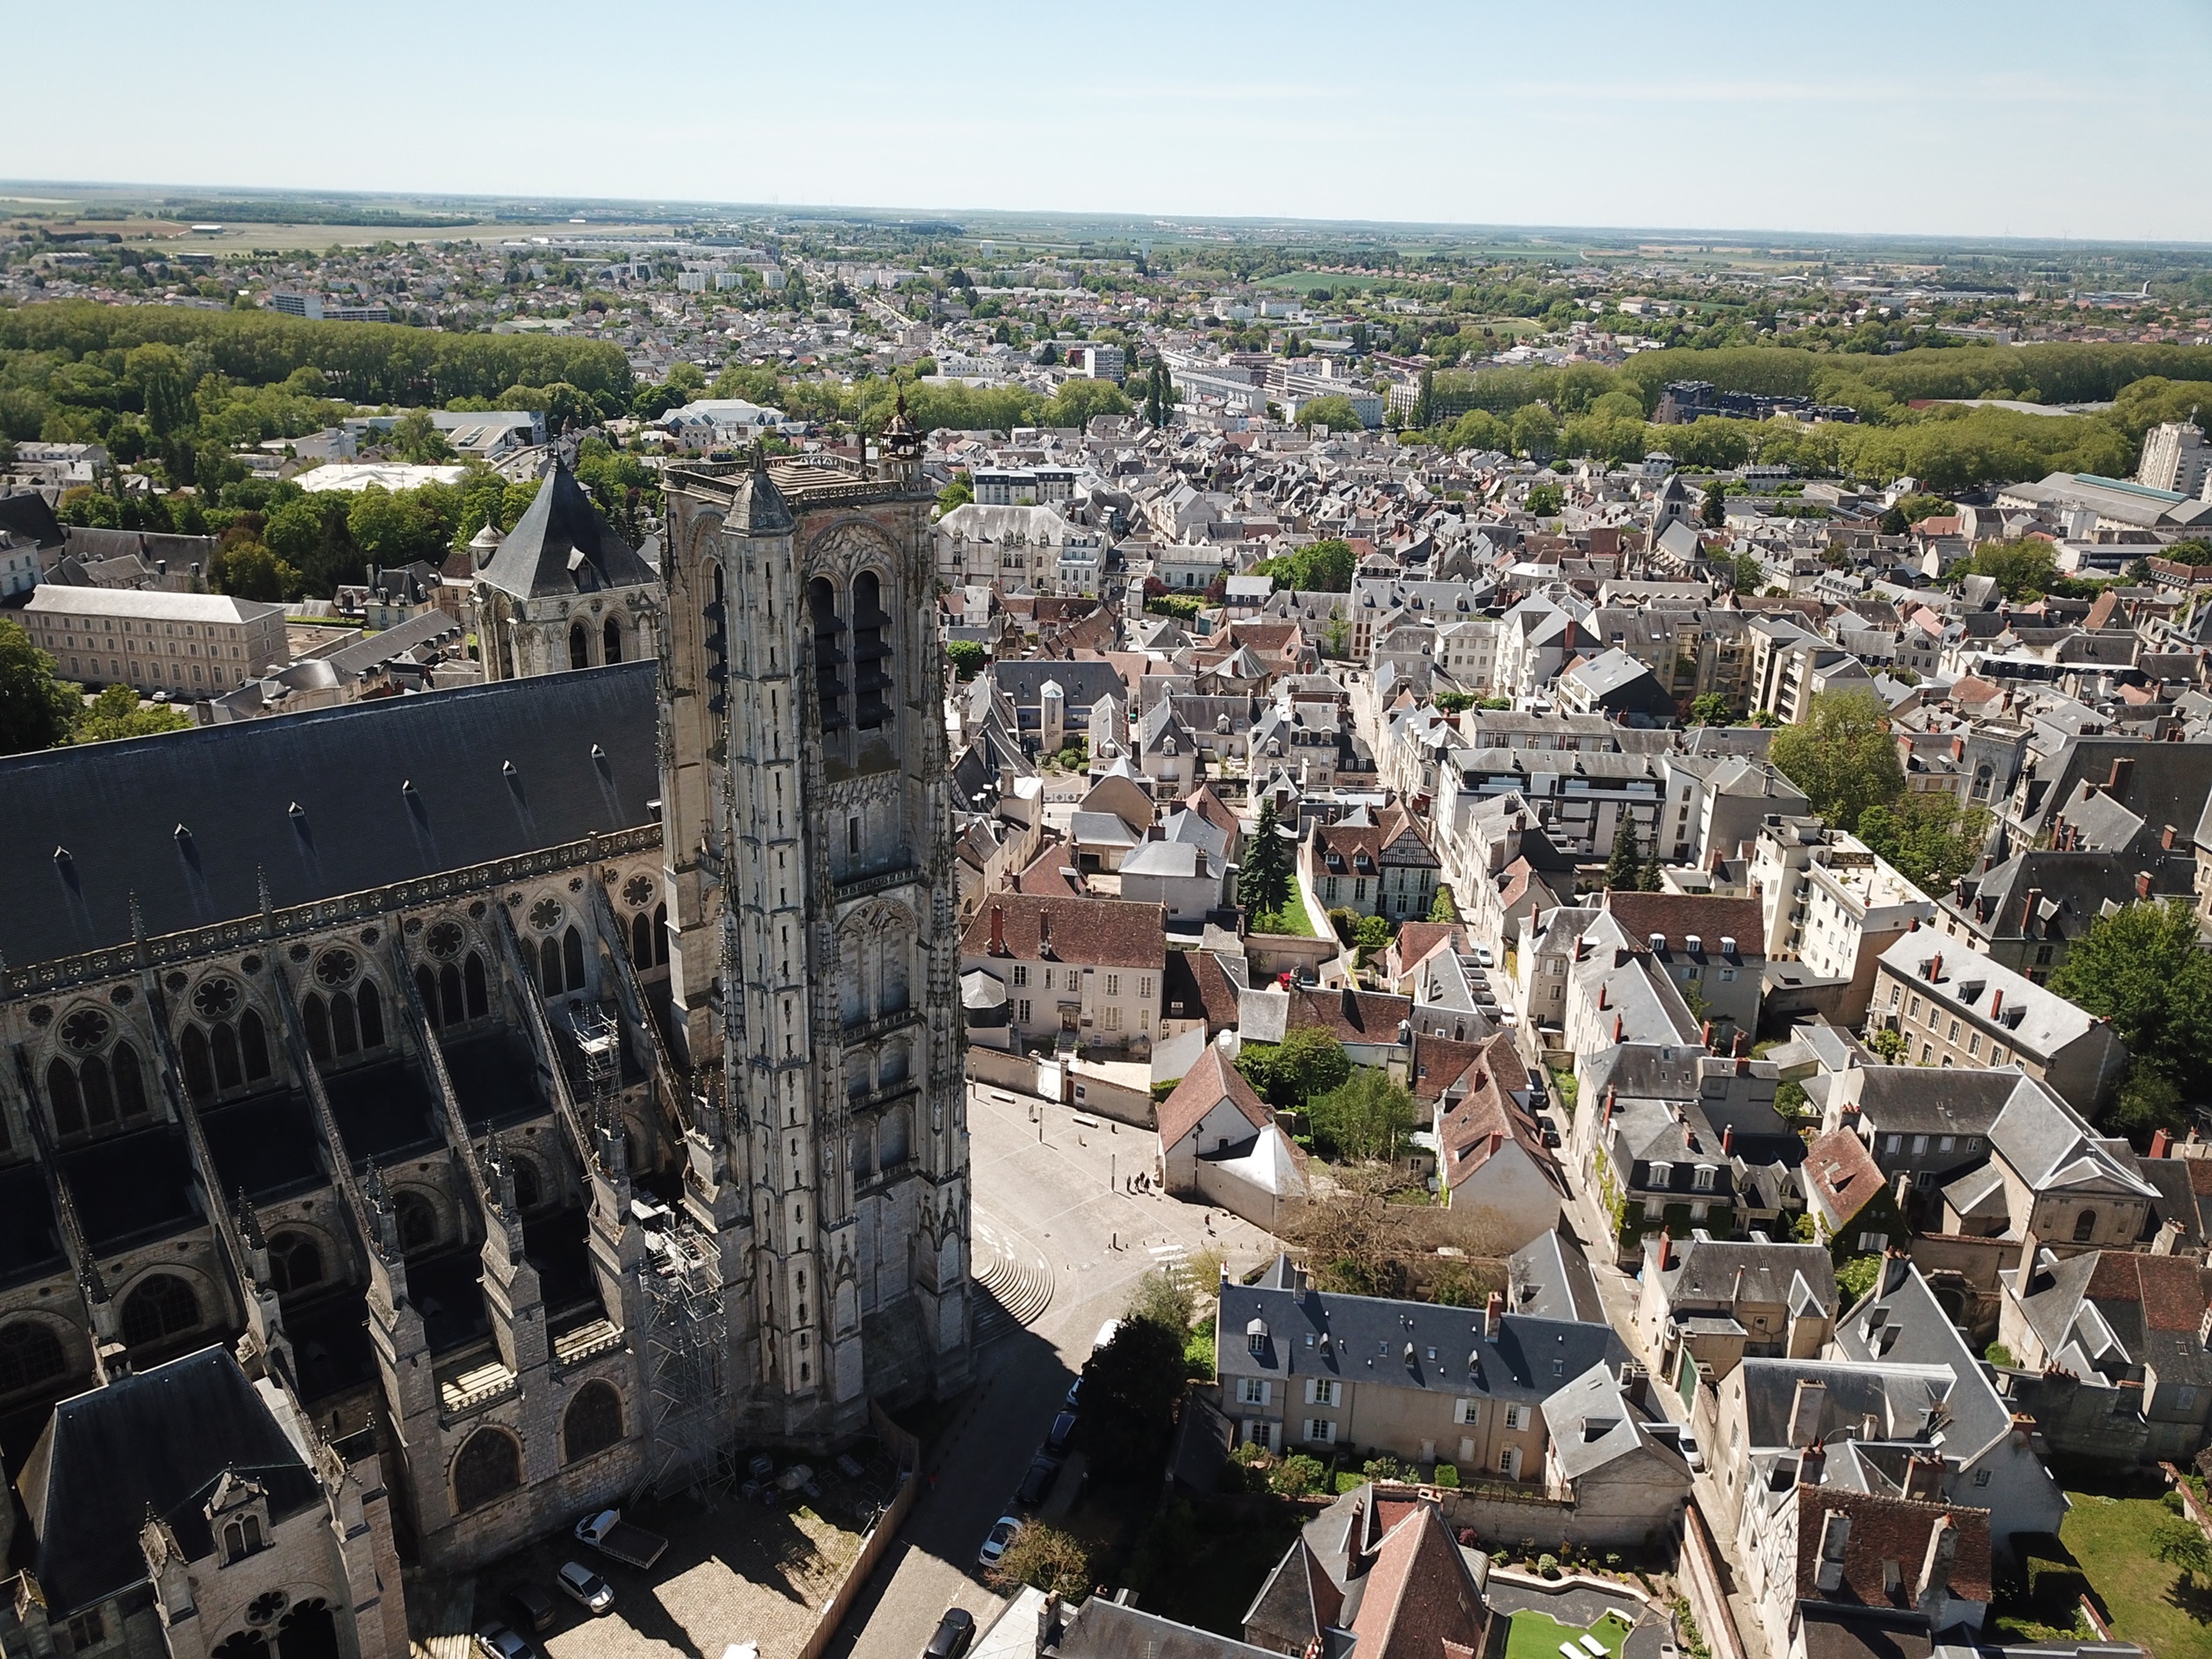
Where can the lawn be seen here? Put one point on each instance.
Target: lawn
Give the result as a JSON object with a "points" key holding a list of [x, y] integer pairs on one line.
{"points": [[1535, 1635], [1304, 282], [2148, 1601], [1291, 921]]}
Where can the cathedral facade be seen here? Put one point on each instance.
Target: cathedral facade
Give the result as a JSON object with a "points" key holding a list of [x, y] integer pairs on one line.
{"points": [[538, 1089]]}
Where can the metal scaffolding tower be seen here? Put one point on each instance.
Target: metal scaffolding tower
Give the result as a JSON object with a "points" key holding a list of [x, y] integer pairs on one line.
{"points": [[683, 1349], [601, 1044]]}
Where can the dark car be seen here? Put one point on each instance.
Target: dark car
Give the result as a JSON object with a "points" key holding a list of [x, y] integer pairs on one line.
{"points": [[1037, 1485], [953, 1635], [495, 1640], [532, 1607], [1075, 1393], [1063, 1431]]}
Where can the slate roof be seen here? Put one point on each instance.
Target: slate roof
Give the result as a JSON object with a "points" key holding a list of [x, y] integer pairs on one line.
{"points": [[154, 1443], [2050, 1148], [25, 516], [1593, 1424], [1104, 1629], [1705, 1271], [582, 746], [564, 544], [1547, 1278], [1911, 1100]]}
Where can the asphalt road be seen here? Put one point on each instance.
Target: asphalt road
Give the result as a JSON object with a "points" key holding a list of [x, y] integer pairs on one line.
{"points": [[1049, 1196]]}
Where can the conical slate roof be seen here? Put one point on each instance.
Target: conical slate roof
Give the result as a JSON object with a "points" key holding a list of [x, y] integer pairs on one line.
{"points": [[564, 545]]}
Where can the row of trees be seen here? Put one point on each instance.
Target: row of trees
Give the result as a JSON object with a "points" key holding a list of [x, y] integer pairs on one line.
{"points": [[40, 710], [1843, 757]]}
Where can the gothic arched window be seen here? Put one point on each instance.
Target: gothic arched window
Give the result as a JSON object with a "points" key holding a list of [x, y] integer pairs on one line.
{"points": [[230, 1071], [479, 1001], [252, 1043], [295, 1263], [593, 1423], [641, 941], [828, 630], [199, 1065], [579, 646], [371, 1000], [871, 653], [572, 957], [451, 1008], [63, 1096], [891, 1139], [549, 965], [660, 936], [611, 638], [316, 1018], [130, 1082], [160, 1305], [418, 1218], [427, 992], [100, 1098], [345, 1035], [490, 1466], [30, 1354]]}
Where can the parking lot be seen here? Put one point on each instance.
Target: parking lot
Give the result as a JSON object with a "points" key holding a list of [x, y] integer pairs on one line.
{"points": [[736, 1570]]}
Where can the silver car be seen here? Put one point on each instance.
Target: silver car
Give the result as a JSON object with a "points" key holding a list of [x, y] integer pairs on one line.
{"points": [[586, 1587], [1002, 1535]]}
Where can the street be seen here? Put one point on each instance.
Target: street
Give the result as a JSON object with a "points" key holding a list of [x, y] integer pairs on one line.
{"points": [[1051, 1217]]}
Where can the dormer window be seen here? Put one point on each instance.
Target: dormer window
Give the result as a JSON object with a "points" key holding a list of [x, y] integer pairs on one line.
{"points": [[1662, 1174]]}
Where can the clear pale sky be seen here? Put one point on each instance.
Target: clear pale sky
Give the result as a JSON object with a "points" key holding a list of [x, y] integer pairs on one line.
{"points": [[1968, 117]]}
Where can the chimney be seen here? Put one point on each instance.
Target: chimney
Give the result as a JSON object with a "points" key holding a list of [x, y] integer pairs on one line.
{"points": [[1804, 1410], [1924, 1478], [1200, 867], [1811, 1469], [1619, 1025], [2166, 838], [1494, 1314], [1045, 932], [2123, 775], [2028, 915], [1935, 1566], [998, 930], [1610, 1092], [2169, 1239], [1727, 1139], [2142, 884], [1603, 996], [1705, 1034], [1996, 1002], [1348, 1003], [2161, 1143], [1048, 1620], [1635, 1384], [1741, 1042]]}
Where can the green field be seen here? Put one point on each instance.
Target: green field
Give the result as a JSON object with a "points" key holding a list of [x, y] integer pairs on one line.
{"points": [[1535, 1636], [1304, 282], [2149, 1603]]}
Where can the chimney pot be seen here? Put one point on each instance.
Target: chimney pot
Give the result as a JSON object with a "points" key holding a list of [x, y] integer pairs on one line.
{"points": [[998, 930], [2142, 884]]}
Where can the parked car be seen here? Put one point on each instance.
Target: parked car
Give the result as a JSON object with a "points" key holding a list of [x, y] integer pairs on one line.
{"points": [[1106, 1334], [1002, 1535], [1037, 1485], [495, 1640], [953, 1635], [586, 1587], [1063, 1431], [1690, 1455], [1075, 1393], [532, 1607]]}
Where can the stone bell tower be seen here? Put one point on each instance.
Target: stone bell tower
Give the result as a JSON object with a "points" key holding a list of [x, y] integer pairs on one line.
{"points": [[807, 820]]}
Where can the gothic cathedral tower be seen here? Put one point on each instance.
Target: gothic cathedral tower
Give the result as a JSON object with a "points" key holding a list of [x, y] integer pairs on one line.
{"points": [[807, 820]]}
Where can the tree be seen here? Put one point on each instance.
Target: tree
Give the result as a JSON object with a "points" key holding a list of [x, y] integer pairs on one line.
{"points": [[1042, 1556], [1841, 756], [2180, 1542], [1535, 431], [1371, 934], [1077, 401], [115, 713], [966, 656], [1890, 1044], [1307, 1063], [2141, 968], [1424, 403], [958, 493], [1712, 512], [1856, 1277], [1623, 870], [1710, 708], [2022, 570], [1546, 501], [1131, 1388], [1333, 412], [1366, 1117], [1297, 1475], [1929, 838], [1443, 909], [415, 437], [1163, 1295], [251, 571], [1895, 523], [1746, 572], [37, 711], [1263, 885]]}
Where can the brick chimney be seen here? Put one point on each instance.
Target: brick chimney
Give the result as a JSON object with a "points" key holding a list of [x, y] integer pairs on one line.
{"points": [[1044, 932], [1494, 1314], [998, 930], [2030, 913], [2161, 1144], [2123, 775], [2142, 884], [1728, 1139], [1200, 866], [1935, 1566], [2166, 838], [1619, 1026], [1812, 1469]]}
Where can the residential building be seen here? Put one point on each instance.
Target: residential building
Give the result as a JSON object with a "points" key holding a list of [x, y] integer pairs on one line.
{"points": [[1492, 1161], [2175, 458], [190, 645], [1831, 902], [1708, 946], [1955, 1007], [1219, 1142], [2051, 1181], [1705, 1304], [1855, 1212], [1074, 971], [1377, 865], [1920, 1127], [1379, 1567]]}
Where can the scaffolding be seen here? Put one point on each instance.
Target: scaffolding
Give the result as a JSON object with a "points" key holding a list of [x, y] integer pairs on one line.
{"points": [[683, 1350], [600, 1044]]}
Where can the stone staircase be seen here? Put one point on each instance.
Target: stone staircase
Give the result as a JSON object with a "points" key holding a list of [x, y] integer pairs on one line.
{"points": [[1014, 1285]]}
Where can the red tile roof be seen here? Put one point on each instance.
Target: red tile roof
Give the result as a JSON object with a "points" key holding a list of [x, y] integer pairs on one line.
{"points": [[1680, 914], [1841, 1173], [1092, 932], [1204, 1087], [1887, 1529], [2171, 1289], [1373, 1017], [1420, 1595]]}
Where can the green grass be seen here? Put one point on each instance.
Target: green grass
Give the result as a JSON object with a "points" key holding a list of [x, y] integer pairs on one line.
{"points": [[1535, 1635], [2148, 1602], [1291, 920], [1304, 282]]}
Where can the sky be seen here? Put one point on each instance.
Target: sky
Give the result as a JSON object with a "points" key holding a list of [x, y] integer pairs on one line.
{"points": [[1966, 118]]}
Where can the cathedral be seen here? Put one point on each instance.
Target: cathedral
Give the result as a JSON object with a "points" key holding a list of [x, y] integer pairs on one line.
{"points": [[429, 1118]]}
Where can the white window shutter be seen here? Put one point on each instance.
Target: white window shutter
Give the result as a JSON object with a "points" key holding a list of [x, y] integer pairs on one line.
{"points": [[1310, 1382]]}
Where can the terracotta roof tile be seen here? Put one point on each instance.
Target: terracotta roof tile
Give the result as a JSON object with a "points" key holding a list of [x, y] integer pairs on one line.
{"points": [[1092, 932], [1204, 1085], [1887, 1529]]}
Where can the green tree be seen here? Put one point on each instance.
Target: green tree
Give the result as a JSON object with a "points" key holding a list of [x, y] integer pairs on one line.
{"points": [[1894, 522], [966, 656], [1366, 1117], [2141, 968], [37, 711], [1843, 756], [1263, 885], [1164, 1296], [1890, 1044], [415, 437], [250, 571], [1929, 838], [115, 713], [1078, 400], [1042, 1556], [2180, 1542], [1535, 431], [1712, 512], [958, 493], [1130, 1388], [1747, 572], [2023, 570], [1296, 1476], [1710, 708], [1856, 1277], [1546, 501], [1623, 870], [1307, 1063], [1443, 909], [1334, 412]]}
